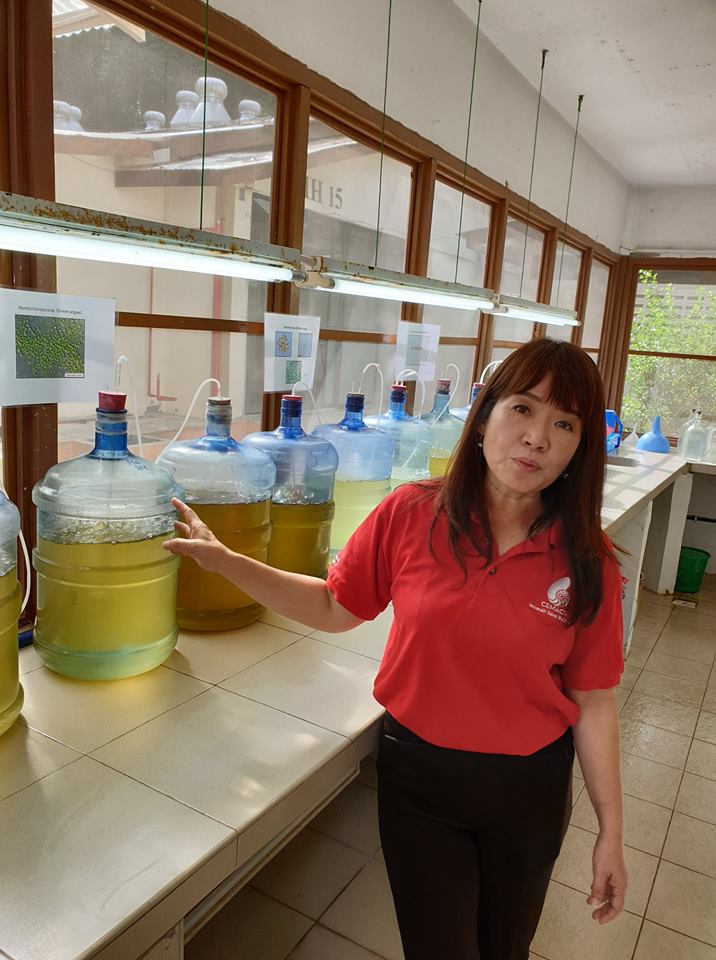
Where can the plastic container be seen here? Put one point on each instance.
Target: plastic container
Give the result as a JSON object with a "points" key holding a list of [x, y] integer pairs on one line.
{"points": [[695, 439], [631, 440], [462, 412], [446, 428], [302, 502], [710, 453], [682, 432], [654, 441], [614, 428], [412, 437], [229, 486], [691, 569], [365, 460], [106, 590], [11, 695]]}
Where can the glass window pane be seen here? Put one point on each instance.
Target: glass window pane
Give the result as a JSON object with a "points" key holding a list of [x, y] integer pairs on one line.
{"points": [[340, 312], [339, 366], [564, 286], [669, 387], [474, 231], [129, 124], [516, 282], [596, 304], [675, 312], [341, 213]]}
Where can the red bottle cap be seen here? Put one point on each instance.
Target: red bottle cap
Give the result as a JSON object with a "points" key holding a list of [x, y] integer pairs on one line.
{"points": [[112, 402]]}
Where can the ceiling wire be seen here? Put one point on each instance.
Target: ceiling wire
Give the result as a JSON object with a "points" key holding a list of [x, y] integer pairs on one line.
{"points": [[467, 136], [382, 131], [580, 99], [203, 125], [532, 168]]}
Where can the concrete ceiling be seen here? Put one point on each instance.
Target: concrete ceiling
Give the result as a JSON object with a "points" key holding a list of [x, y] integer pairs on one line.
{"points": [[647, 69]]}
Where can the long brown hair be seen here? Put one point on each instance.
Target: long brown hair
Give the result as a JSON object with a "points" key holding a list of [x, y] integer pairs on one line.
{"points": [[574, 384]]}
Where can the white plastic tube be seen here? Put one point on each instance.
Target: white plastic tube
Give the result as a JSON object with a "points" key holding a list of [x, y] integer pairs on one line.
{"points": [[316, 414], [188, 413], [420, 381], [124, 361], [489, 369], [378, 367]]}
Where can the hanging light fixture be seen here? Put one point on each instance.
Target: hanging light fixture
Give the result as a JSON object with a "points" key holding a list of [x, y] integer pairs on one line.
{"points": [[28, 225], [517, 308]]}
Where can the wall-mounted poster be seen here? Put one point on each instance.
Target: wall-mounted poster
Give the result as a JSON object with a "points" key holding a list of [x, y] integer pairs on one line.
{"points": [[290, 350], [55, 348]]}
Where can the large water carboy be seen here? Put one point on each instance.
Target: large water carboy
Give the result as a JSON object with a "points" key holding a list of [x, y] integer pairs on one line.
{"points": [[106, 590], [412, 437], [462, 412], [447, 429], [365, 460], [302, 502], [228, 484], [11, 695], [681, 437], [695, 439]]}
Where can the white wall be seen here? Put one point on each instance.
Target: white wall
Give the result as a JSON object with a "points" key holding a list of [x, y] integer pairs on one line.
{"points": [[428, 91], [678, 219]]}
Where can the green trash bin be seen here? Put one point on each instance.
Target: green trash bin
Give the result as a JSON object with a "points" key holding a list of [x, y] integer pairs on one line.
{"points": [[691, 569]]}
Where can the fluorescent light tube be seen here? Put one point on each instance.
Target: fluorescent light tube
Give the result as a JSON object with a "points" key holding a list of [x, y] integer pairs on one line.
{"points": [[58, 241], [517, 309], [406, 294]]}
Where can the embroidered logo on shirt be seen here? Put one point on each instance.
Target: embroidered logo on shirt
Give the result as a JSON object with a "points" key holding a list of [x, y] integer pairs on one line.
{"points": [[557, 600]]}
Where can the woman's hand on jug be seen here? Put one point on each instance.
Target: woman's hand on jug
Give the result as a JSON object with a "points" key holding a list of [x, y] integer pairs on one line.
{"points": [[196, 540]]}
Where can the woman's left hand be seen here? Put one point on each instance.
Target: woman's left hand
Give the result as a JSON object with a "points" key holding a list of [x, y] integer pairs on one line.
{"points": [[609, 880]]}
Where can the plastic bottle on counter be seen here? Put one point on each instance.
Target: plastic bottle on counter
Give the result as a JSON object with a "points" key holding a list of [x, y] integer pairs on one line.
{"points": [[710, 454], [106, 590], [446, 428], [302, 502], [365, 459], [682, 432], [462, 412], [229, 485], [632, 439], [412, 437], [695, 437], [11, 695]]}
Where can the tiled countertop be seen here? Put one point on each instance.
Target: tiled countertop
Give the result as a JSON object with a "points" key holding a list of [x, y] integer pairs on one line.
{"points": [[124, 804]]}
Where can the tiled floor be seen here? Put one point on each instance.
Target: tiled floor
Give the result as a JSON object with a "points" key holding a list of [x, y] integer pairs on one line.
{"points": [[326, 897]]}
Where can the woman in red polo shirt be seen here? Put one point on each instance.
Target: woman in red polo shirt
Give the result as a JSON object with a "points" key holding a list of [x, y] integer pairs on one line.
{"points": [[504, 653]]}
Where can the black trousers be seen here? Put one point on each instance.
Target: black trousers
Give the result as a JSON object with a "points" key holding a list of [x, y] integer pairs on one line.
{"points": [[469, 841]]}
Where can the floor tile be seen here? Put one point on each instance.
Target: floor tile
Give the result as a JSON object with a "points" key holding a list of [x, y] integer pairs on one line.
{"points": [[645, 824], [678, 667], [364, 913], [638, 655], [676, 717], [278, 620], [26, 756], [251, 927], [684, 901], [323, 944], [685, 646], [644, 740], [72, 835], [352, 818], [567, 931], [658, 943], [574, 868], [368, 774], [266, 755], [702, 759], [216, 656], [621, 696], [84, 715], [650, 781], [630, 675], [29, 659], [697, 797], [317, 682], [706, 727], [709, 703], [369, 638], [577, 790], [692, 623], [310, 873], [670, 689], [692, 844]]}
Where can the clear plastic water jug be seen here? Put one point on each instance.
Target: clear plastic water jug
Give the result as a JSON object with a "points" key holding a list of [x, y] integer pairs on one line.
{"points": [[695, 439], [412, 437], [462, 412], [682, 431], [446, 428], [365, 459], [229, 486], [302, 503], [106, 590], [11, 695]]}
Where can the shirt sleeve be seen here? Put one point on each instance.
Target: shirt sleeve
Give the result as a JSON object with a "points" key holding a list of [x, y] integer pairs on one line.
{"points": [[360, 577], [596, 660]]}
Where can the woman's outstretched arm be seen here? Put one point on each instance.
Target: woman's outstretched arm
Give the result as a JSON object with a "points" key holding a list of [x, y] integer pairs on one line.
{"points": [[306, 599]]}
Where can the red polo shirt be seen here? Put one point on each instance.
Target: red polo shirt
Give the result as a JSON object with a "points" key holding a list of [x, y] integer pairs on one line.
{"points": [[480, 664]]}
